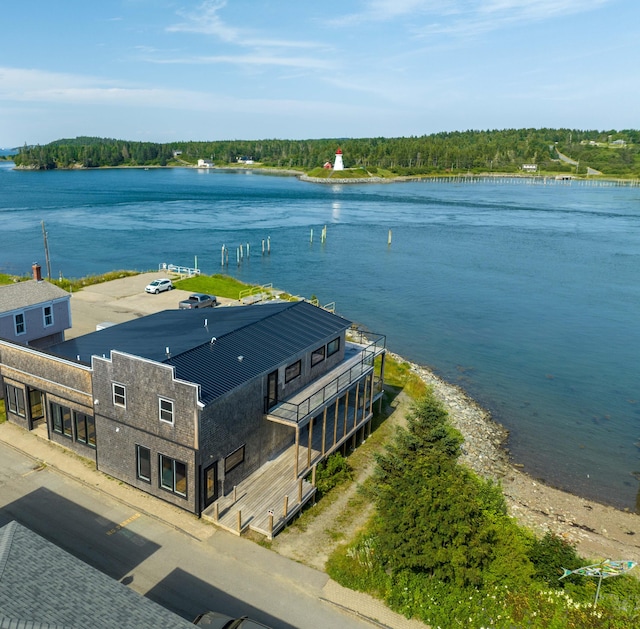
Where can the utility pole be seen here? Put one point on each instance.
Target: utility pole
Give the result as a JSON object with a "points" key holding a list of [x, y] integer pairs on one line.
{"points": [[46, 251]]}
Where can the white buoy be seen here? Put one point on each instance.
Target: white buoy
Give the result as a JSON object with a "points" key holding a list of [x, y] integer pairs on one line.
{"points": [[389, 238]]}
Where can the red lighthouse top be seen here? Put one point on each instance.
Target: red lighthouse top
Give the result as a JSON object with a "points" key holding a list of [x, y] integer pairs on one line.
{"points": [[339, 152]]}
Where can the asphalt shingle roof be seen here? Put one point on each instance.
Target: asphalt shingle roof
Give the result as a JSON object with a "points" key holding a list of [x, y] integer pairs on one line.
{"points": [[29, 293], [42, 586], [263, 335]]}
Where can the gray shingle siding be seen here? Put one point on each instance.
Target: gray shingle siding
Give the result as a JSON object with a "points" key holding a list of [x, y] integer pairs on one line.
{"points": [[215, 376], [42, 586]]}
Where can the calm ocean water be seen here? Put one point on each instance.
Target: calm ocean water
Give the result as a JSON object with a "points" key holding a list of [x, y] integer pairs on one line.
{"points": [[525, 295]]}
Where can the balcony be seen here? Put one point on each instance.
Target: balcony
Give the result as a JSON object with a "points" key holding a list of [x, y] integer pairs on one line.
{"points": [[360, 354]]}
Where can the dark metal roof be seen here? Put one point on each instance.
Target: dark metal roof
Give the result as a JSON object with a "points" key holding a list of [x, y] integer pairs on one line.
{"points": [[264, 335]]}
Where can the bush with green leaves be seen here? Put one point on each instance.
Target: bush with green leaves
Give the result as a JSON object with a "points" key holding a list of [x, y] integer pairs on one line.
{"points": [[441, 546], [334, 471]]}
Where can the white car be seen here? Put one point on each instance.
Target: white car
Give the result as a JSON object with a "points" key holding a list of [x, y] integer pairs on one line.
{"points": [[158, 286]]}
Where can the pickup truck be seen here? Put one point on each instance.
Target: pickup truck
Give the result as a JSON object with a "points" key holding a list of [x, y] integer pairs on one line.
{"points": [[198, 300]]}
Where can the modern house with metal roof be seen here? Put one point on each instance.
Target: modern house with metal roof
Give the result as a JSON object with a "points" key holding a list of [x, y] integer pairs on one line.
{"points": [[223, 412], [34, 312]]}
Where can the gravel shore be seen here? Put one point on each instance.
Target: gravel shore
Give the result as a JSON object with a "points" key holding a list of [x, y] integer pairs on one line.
{"points": [[598, 531]]}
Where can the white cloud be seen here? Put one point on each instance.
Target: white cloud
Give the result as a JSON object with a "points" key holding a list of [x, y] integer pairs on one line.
{"points": [[207, 21], [247, 60], [466, 16], [34, 86]]}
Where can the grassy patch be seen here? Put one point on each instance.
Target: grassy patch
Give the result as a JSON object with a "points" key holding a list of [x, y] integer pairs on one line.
{"points": [[399, 374], [3, 412], [10, 279], [349, 173], [73, 285], [218, 285]]}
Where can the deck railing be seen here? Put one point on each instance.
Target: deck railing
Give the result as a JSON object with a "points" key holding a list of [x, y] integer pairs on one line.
{"points": [[296, 412], [180, 270]]}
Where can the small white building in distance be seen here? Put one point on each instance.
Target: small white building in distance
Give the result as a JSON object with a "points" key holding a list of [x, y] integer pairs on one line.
{"points": [[205, 163], [338, 165]]}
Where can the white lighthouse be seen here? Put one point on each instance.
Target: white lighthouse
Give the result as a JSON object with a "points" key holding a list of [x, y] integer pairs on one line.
{"points": [[338, 165]]}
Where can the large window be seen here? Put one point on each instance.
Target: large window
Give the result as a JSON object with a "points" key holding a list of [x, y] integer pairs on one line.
{"points": [[15, 400], [119, 395], [21, 326], [173, 475], [85, 428], [165, 409], [73, 424], [317, 356], [61, 420], [333, 347], [292, 371], [143, 462], [234, 459], [48, 316]]}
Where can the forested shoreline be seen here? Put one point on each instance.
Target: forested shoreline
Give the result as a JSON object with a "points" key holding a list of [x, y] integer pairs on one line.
{"points": [[613, 153]]}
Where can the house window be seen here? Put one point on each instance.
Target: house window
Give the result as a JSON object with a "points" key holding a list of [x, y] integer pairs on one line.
{"points": [[143, 463], [292, 371], [36, 404], [15, 400], [165, 408], [333, 347], [61, 420], [48, 316], [234, 459], [317, 356], [21, 326], [119, 395], [85, 428], [173, 475]]}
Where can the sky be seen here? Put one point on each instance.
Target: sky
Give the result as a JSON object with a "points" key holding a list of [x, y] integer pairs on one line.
{"points": [[179, 70]]}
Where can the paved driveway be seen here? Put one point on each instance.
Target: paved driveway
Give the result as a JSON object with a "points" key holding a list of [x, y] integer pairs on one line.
{"points": [[119, 301]]}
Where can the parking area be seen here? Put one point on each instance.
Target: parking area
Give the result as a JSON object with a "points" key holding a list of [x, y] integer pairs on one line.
{"points": [[121, 300]]}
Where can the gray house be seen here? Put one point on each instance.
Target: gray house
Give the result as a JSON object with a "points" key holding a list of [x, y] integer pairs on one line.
{"points": [[188, 404], [34, 312]]}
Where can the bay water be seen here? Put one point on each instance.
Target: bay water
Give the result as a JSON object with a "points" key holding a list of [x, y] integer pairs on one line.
{"points": [[526, 294]]}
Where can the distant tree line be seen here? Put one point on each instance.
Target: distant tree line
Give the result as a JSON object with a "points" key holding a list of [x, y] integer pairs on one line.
{"points": [[612, 152]]}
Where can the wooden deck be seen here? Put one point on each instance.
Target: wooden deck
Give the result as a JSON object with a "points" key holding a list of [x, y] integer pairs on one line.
{"points": [[267, 499]]}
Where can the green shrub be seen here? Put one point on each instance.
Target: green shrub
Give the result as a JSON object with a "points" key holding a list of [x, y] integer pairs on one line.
{"points": [[333, 472], [550, 555]]}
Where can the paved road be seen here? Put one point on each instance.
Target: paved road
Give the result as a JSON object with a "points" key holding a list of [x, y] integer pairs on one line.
{"points": [[187, 576]]}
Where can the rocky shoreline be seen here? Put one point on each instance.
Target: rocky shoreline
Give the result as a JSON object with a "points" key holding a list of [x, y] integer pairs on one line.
{"points": [[598, 531]]}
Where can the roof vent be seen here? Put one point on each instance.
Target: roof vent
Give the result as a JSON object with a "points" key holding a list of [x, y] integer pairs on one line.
{"points": [[240, 359], [213, 340]]}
